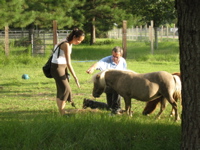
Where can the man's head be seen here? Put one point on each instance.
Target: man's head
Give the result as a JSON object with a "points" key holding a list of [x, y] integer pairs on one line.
{"points": [[117, 53]]}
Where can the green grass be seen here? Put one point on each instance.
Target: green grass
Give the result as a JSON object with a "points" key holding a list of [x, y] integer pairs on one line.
{"points": [[29, 117]]}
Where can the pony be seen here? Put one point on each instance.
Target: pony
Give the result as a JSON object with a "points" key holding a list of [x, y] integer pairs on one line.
{"points": [[151, 105], [144, 87]]}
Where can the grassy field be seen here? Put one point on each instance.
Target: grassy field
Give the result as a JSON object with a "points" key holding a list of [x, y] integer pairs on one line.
{"points": [[29, 117]]}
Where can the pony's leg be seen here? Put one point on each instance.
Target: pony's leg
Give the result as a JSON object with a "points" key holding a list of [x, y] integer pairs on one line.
{"points": [[172, 112], [151, 106], [162, 107], [128, 106], [174, 107], [176, 96]]}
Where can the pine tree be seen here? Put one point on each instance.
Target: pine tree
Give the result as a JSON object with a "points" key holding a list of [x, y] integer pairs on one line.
{"points": [[100, 15], [160, 11], [10, 11], [41, 13]]}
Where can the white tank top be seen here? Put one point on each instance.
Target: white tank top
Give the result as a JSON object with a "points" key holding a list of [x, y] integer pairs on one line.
{"points": [[61, 59]]}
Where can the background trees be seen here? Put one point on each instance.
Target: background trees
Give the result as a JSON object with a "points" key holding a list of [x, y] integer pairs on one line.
{"points": [[94, 16], [88, 13], [100, 16], [160, 11], [10, 11], [44, 11]]}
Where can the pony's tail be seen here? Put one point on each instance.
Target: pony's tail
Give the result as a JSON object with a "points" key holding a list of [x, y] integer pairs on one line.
{"points": [[177, 93], [151, 106], [177, 96]]}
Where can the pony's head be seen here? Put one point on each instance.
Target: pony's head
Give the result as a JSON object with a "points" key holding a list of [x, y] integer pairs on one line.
{"points": [[99, 83]]}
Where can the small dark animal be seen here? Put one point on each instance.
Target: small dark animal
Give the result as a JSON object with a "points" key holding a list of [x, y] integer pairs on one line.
{"points": [[94, 104]]}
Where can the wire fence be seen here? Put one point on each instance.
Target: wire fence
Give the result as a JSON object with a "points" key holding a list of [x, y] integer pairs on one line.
{"points": [[42, 40], [143, 33]]}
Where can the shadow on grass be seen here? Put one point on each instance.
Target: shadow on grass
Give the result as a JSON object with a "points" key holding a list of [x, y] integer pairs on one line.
{"points": [[92, 130]]}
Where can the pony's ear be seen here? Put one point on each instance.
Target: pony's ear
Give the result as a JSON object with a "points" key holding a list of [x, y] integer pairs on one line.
{"points": [[98, 77]]}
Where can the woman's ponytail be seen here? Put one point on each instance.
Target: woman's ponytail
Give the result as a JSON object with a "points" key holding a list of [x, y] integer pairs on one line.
{"points": [[76, 32]]}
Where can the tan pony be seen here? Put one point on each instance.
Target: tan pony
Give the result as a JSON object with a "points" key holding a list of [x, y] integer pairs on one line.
{"points": [[151, 105], [144, 87]]}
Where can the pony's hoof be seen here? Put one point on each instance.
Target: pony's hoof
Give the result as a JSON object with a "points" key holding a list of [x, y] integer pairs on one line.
{"points": [[178, 119], [111, 114], [146, 115], [117, 111], [171, 115], [157, 117]]}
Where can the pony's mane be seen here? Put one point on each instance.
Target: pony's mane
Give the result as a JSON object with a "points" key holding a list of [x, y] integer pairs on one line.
{"points": [[102, 77]]}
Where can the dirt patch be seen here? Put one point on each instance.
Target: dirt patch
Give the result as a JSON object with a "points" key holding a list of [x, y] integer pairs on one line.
{"points": [[80, 111]]}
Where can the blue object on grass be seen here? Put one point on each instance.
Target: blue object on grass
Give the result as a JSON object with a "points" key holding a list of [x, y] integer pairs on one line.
{"points": [[25, 76]]}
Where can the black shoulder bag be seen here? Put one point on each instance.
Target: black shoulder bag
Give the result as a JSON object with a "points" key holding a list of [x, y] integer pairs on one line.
{"points": [[47, 67]]}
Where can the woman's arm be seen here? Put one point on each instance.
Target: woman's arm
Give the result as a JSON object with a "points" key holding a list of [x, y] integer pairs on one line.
{"points": [[65, 48]]}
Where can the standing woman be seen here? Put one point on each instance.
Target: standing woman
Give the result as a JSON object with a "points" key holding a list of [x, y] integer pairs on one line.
{"points": [[61, 62]]}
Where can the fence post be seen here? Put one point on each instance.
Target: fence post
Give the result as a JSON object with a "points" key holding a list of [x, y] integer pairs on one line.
{"points": [[124, 38], [32, 43], [145, 30], [167, 32], [161, 33], [151, 35], [7, 40], [140, 33], [136, 33], [54, 32], [174, 32]]}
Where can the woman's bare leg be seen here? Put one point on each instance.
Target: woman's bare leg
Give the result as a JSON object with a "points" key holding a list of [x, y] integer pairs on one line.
{"points": [[61, 106]]}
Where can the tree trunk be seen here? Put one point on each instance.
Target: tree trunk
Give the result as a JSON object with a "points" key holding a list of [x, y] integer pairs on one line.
{"points": [[31, 31], [189, 38], [93, 33]]}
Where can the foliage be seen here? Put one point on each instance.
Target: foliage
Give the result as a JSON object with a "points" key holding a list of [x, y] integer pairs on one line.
{"points": [[10, 11], [161, 12], [95, 17], [100, 16], [41, 13], [105, 12]]}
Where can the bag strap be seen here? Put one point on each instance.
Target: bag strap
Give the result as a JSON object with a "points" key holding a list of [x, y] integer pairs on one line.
{"points": [[58, 46]]}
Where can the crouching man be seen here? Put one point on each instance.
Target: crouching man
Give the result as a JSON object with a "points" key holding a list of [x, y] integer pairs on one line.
{"points": [[114, 61]]}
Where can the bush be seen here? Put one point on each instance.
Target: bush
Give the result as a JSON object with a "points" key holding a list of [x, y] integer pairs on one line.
{"points": [[106, 42]]}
